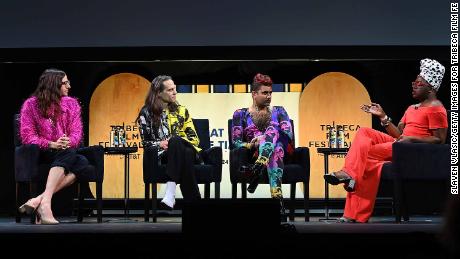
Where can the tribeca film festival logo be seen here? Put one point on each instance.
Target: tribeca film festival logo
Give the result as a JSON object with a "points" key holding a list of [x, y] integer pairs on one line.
{"points": [[132, 137], [454, 98], [347, 128]]}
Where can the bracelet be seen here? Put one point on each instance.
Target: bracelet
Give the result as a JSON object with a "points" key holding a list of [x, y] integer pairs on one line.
{"points": [[386, 121]]}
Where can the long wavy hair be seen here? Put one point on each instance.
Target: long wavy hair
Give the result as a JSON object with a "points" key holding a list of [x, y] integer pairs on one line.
{"points": [[153, 101], [48, 92]]}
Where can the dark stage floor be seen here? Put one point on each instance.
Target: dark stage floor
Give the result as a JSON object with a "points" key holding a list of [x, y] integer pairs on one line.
{"points": [[173, 224], [119, 237]]}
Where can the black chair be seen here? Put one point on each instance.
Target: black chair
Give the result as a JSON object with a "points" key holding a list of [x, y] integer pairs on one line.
{"points": [[417, 170], [207, 173], [29, 170], [296, 169]]}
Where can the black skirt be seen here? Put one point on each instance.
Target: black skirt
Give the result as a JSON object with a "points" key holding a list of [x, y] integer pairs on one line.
{"points": [[67, 158]]}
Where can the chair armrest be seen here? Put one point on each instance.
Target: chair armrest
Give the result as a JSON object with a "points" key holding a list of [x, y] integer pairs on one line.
{"points": [[149, 163], [421, 161], [95, 156], [26, 162], [213, 156]]}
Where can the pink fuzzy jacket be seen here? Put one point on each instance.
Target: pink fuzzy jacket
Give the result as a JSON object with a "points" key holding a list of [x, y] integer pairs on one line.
{"points": [[36, 129]]}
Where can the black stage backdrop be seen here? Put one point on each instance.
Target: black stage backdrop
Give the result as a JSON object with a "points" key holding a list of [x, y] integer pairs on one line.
{"points": [[386, 71], [137, 23]]}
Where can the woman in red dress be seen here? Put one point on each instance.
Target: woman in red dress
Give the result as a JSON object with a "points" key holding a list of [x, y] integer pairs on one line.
{"points": [[425, 122]]}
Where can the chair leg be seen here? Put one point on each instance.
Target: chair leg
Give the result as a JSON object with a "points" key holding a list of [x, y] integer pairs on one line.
{"points": [[397, 198], [147, 202], [216, 190], [405, 214], [80, 202], [404, 206], [243, 191], [207, 191], [396, 211], [154, 202], [18, 203], [33, 193], [234, 190], [292, 206], [99, 201], [306, 200]]}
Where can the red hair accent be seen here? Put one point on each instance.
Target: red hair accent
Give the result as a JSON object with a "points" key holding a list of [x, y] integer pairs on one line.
{"points": [[259, 80]]}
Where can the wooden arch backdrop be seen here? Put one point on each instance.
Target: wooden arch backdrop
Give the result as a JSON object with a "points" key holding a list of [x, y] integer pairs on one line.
{"points": [[330, 99], [117, 101]]}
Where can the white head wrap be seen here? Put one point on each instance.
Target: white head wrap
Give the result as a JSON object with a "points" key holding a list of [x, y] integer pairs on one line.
{"points": [[432, 71]]}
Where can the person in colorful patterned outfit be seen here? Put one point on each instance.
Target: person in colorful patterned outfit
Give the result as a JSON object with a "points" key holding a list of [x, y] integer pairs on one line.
{"points": [[168, 126], [52, 120], [425, 122], [267, 132]]}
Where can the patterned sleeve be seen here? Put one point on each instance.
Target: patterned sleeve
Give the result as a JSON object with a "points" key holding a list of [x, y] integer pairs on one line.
{"points": [[237, 130], [146, 130], [75, 127], [28, 126], [285, 122], [189, 129]]}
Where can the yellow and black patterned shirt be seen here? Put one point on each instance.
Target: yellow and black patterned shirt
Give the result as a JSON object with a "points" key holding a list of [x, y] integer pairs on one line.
{"points": [[177, 123]]}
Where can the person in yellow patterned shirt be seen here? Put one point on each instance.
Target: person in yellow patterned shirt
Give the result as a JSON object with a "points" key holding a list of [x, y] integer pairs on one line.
{"points": [[168, 126]]}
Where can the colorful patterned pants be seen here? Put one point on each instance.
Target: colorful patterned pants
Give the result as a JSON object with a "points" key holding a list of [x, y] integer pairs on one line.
{"points": [[271, 154]]}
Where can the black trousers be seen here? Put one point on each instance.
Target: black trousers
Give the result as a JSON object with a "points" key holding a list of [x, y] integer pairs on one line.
{"points": [[180, 159]]}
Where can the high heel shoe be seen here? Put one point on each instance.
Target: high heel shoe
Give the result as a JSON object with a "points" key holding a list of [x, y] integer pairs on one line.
{"points": [[247, 171], [349, 182], [27, 207], [256, 170], [350, 186], [37, 219], [44, 221], [345, 220], [283, 216]]}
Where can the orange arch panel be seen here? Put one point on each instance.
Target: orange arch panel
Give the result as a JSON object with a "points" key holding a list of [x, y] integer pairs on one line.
{"points": [[330, 99], [117, 101]]}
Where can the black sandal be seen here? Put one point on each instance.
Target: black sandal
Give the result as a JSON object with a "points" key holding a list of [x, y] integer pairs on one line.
{"points": [[350, 186], [252, 173], [345, 220], [349, 182]]}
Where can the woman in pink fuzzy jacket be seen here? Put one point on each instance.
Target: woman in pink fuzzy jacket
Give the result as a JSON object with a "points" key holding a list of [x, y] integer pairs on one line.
{"points": [[52, 120]]}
